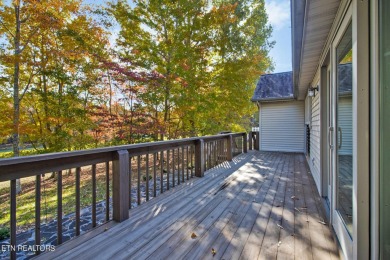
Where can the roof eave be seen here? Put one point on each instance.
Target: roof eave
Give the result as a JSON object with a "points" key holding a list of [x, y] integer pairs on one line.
{"points": [[298, 12], [275, 99]]}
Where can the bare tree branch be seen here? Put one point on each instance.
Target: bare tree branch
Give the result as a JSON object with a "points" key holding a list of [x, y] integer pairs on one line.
{"points": [[28, 85], [29, 39], [8, 30]]}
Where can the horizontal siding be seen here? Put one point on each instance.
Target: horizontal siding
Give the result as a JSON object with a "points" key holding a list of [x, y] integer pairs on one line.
{"points": [[315, 140], [282, 126], [345, 123]]}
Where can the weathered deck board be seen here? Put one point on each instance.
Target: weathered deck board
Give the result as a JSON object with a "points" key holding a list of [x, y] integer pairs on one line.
{"points": [[186, 244], [302, 241], [286, 237], [262, 205]]}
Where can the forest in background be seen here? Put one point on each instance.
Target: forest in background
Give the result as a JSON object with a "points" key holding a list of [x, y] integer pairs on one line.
{"points": [[75, 75]]}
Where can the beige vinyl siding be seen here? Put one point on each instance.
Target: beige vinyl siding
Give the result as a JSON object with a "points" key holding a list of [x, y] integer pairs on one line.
{"points": [[345, 123], [315, 140], [282, 126], [307, 110]]}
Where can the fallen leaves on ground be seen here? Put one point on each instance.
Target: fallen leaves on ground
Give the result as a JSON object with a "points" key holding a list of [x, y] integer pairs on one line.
{"points": [[193, 236], [213, 251]]}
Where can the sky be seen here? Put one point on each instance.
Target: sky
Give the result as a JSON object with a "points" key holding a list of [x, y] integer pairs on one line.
{"points": [[279, 17]]}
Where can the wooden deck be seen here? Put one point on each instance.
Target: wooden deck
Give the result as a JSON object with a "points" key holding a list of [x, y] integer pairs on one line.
{"points": [[262, 205]]}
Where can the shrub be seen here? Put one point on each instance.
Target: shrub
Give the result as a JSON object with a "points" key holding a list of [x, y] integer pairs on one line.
{"points": [[4, 233]]}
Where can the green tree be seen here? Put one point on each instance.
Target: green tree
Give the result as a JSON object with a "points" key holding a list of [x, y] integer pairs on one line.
{"points": [[208, 54]]}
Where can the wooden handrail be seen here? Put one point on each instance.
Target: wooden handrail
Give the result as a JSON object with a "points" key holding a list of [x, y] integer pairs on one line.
{"points": [[20, 167]]}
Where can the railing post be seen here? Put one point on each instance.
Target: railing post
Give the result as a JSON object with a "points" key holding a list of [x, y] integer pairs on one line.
{"points": [[245, 142], [257, 141], [229, 147], [199, 158], [121, 186], [250, 140]]}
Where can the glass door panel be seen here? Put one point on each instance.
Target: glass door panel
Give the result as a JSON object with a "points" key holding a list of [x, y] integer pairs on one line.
{"points": [[343, 129], [384, 158]]}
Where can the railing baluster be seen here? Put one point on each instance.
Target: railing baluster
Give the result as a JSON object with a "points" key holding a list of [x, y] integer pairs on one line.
{"points": [[139, 180], [224, 144], [168, 152], [229, 148], [245, 143], [250, 140], [107, 191], [178, 166], [94, 195], [173, 167], [162, 172], [182, 163], [208, 155], [130, 182], [38, 212], [154, 175], [205, 156], [219, 151], [147, 177], [78, 170], [216, 153], [188, 177], [211, 154], [13, 218], [192, 161], [59, 208]]}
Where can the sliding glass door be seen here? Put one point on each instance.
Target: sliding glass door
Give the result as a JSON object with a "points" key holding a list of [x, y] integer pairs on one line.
{"points": [[384, 182], [341, 135]]}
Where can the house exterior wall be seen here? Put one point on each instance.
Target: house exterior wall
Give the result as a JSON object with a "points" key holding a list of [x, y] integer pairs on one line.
{"points": [[282, 126], [307, 110], [314, 157], [359, 243]]}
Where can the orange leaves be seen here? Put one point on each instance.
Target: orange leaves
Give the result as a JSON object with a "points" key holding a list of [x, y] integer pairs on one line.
{"points": [[225, 13]]}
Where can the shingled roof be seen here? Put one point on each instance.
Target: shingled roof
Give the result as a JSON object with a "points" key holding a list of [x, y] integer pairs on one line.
{"points": [[345, 79], [276, 86]]}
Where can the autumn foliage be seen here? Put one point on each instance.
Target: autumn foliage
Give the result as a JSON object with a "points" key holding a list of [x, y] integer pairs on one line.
{"points": [[75, 76]]}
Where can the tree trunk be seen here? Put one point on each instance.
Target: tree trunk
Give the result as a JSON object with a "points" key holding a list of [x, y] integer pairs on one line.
{"points": [[16, 115], [110, 98]]}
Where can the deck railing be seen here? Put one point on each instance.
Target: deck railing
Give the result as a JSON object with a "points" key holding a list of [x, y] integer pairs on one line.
{"points": [[131, 175]]}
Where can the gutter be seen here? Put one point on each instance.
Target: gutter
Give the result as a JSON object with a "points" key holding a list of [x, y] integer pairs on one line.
{"points": [[274, 99], [298, 13]]}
